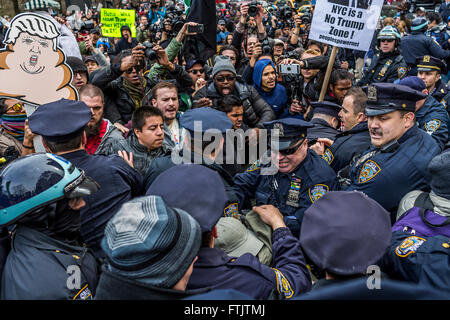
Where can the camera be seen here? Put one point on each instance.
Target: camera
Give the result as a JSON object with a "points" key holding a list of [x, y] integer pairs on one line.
{"points": [[285, 13], [150, 54], [306, 18], [289, 69], [267, 47], [197, 29], [253, 9]]}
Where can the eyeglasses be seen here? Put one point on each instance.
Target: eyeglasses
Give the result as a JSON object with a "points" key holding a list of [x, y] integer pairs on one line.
{"points": [[197, 71], [288, 152], [137, 68], [387, 40], [223, 78]]}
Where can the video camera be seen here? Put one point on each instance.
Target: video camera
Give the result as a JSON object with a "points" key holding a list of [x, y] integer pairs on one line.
{"points": [[267, 47], [174, 17], [150, 54]]}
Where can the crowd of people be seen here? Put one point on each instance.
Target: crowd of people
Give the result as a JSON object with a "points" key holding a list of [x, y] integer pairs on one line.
{"points": [[247, 172]]}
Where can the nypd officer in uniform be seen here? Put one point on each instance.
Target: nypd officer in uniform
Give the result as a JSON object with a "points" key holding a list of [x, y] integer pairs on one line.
{"points": [[356, 138], [195, 123], [397, 160], [429, 69], [61, 125], [388, 65], [420, 247], [431, 115], [200, 192], [292, 178], [417, 44]]}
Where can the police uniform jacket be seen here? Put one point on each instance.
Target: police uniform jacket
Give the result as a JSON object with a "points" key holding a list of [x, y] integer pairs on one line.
{"points": [[159, 165], [37, 267], [418, 259], [385, 68], [441, 93], [118, 182], [291, 193], [433, 119], [417, 45], [347, 145], [387, 176], [288, 278], [321, 129]]}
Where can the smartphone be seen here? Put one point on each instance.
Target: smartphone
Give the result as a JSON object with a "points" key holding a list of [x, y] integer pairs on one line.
{"points": [[289, 68], [197, 29]]}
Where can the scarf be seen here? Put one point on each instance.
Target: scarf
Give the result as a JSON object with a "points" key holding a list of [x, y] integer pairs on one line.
{"points": [[14, 124], [135, 91]]}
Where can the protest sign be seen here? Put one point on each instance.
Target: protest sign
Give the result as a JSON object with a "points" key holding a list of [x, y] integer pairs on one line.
{"points": [[113, 19], [345, 23]]}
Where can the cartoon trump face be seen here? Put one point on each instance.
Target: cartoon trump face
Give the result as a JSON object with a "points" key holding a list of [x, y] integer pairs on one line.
{"points": [[32, 67]]}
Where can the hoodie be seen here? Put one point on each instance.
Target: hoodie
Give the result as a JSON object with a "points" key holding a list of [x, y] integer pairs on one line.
{"points": [[277, 98], [123, 43]]}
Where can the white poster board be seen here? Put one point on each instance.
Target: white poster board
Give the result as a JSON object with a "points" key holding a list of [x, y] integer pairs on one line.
{"points": [[345, 23]]}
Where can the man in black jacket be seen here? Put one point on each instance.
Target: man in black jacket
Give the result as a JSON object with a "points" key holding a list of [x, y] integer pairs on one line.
{"points": [[256, 110], [126, 42]]}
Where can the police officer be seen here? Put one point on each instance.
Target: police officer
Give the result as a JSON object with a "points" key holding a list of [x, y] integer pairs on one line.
{"points": [[420, 247], [355, 138], [388, 64], [429, 69], [291, 179], [326, 121], [417, 44], [200, 192], [41, 195], [61, 125], [195, 123], [391, 167], [349, 220], [430, 114]]}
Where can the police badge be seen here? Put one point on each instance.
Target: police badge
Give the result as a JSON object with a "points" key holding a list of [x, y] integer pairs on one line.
{"points": [[316, 192], [432, 125], [328, 156], [369, 170], [372, 93], [409, 246], [401, 72]]}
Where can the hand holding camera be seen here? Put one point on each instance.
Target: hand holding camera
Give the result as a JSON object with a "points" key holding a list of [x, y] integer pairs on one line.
{"points": [[296, 107]]}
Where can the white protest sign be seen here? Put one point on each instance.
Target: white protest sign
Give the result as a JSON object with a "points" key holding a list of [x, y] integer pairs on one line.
{"points": [[345, 23]]}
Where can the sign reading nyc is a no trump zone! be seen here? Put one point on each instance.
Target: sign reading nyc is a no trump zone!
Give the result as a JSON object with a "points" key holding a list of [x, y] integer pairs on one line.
{"points": [[345, 23]]}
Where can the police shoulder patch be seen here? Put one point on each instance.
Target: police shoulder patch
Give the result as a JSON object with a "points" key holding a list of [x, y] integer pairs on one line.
{"points": [[432, 125], [283, 285], [317, 191], [254, 166], [84, 294], [231, 210], [328, 156], [401, 72], [409, 246], [369, 170]]}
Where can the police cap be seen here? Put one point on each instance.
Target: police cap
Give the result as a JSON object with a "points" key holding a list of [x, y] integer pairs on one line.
{"points": [[385, 97], [345, 232], [205, 118], [288, 131], [413, 82], [430, 63], [195, 189], [326, 107], [60, 120]]}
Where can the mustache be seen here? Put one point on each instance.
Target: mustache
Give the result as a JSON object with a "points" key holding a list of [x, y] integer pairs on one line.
{"points": [[376, 132]]}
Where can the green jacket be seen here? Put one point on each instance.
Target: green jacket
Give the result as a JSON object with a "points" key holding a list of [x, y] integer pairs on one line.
{"points": [[172, 51]]}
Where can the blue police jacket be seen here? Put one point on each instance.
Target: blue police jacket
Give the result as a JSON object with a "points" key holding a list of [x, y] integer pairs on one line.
{"points": [[347, 145], [291, 193], [118, 182], [288, 277], [433, 118], [418, 259], [38, 268], [387, 176], [417, 45]]}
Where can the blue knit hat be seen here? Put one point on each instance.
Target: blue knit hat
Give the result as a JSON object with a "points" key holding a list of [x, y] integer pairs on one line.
{"points": [[151, 243]]}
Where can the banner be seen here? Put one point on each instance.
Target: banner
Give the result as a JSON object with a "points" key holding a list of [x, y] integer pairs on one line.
{"points": [[345, 23], [113, 19]]}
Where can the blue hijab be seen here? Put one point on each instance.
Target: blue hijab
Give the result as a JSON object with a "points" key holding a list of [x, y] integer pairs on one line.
{"points": [[277, 98]]}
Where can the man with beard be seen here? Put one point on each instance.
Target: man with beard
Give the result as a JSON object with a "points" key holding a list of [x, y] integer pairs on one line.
{"points": [[100, 132], [391, 167], [61, 125]]}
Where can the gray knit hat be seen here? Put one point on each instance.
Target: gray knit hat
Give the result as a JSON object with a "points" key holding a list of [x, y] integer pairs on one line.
{"points": [[439, 169], [223, 63], [151, 243]]}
